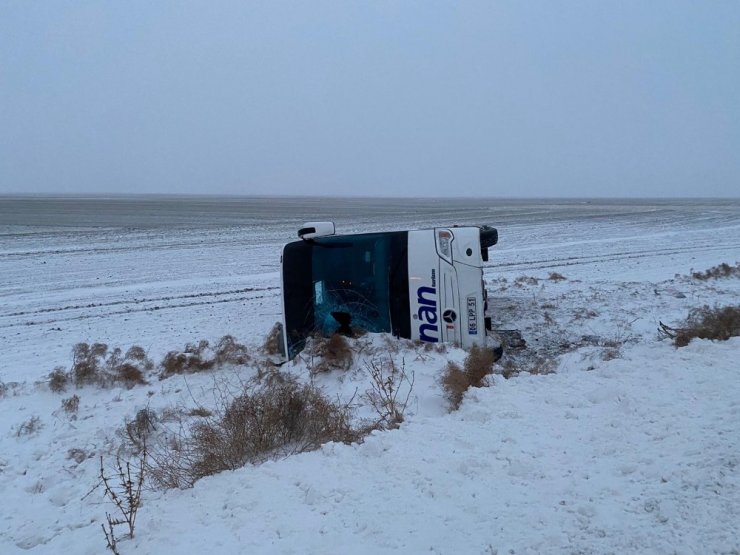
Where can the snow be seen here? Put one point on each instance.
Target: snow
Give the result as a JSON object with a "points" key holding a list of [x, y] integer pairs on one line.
{"points": [[631, 446]]}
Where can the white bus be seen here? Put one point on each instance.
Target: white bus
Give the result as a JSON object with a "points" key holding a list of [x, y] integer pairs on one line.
{"points": [[425, 285]]}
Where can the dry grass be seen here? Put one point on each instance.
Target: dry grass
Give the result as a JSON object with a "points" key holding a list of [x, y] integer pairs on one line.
{"points": [[201, 412], [538, 366], [273, 342], [521, 281], [96, 365], [390, 390], [201, 357], [58, 380], [229, 351], [29, 427], [268, 420], [70, 405], [129, 375], [88, 362], [77, 455], [274, 420], [194, 358], [709, 323], [137, 431], [720, 271], [456, 380], [455, 383], [333, 353]]}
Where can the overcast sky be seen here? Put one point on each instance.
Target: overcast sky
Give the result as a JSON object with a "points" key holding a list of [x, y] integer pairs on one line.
{"points": [[371, 98]]}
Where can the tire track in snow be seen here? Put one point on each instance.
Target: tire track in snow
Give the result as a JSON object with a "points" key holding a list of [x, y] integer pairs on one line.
{"points": [[155, 308], [139, 301], [610, 257]]}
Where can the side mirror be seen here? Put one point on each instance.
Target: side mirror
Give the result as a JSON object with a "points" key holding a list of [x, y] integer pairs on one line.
{"points": [[316, 229]]}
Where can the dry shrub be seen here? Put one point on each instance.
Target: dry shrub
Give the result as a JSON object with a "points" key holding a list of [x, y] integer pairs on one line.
{"points": [[95, 365], [77, 455], [268, 420], [276, 419], [129, 375], [88, 362], [194, 358], [390, 390], [274, 341], [456, 380], [71, 404], [129, 369], [229, 351], [136, 431], [555, 276], [201, 357], [537, 366], [58, 380], [584, 314], [29, 427], [610, 353], [709, 323], [478, 364], [455, 383], [334, 353], [525, 280], [170, 464], [723, 270], [201, 412]]}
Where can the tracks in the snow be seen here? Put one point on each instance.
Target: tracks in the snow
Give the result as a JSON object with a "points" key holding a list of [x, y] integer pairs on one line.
{"points": [[82, 311], [538, 264]]}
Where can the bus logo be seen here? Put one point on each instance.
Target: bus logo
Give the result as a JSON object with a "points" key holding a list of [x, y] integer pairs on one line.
{"points": [[427, 313]]}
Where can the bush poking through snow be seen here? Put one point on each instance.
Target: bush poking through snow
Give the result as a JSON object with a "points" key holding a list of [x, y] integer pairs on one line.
{"points": [[136, 432], [456, 380], [390, 390], [521, 281], [723, 270], [229, 351], [274, 419], [124, 490], [128, 369], [95, 365], [455, 383], [334, 353], [478, 364], [29, 427], [706, 323], [556, 276], [88, 363], [195, 358], [272, 344], [203, 357], [70, 405], [58, 380], [537, 366]]}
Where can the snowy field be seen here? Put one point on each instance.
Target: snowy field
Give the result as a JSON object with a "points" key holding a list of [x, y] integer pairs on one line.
{"points": [[630, 446]]}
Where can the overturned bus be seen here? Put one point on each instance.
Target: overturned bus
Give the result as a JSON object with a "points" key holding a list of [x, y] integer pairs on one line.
{"points": [[424, 285]]}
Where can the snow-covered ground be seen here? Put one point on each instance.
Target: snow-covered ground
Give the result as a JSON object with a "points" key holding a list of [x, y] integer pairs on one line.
{"points": [[631, 446]]}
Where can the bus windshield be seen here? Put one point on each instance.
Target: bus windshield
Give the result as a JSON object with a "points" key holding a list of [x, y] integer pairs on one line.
{"points": [[343, 283]]}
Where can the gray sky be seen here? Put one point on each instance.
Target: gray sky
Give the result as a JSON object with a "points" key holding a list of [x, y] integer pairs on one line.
{"points": [[371, 98]]}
